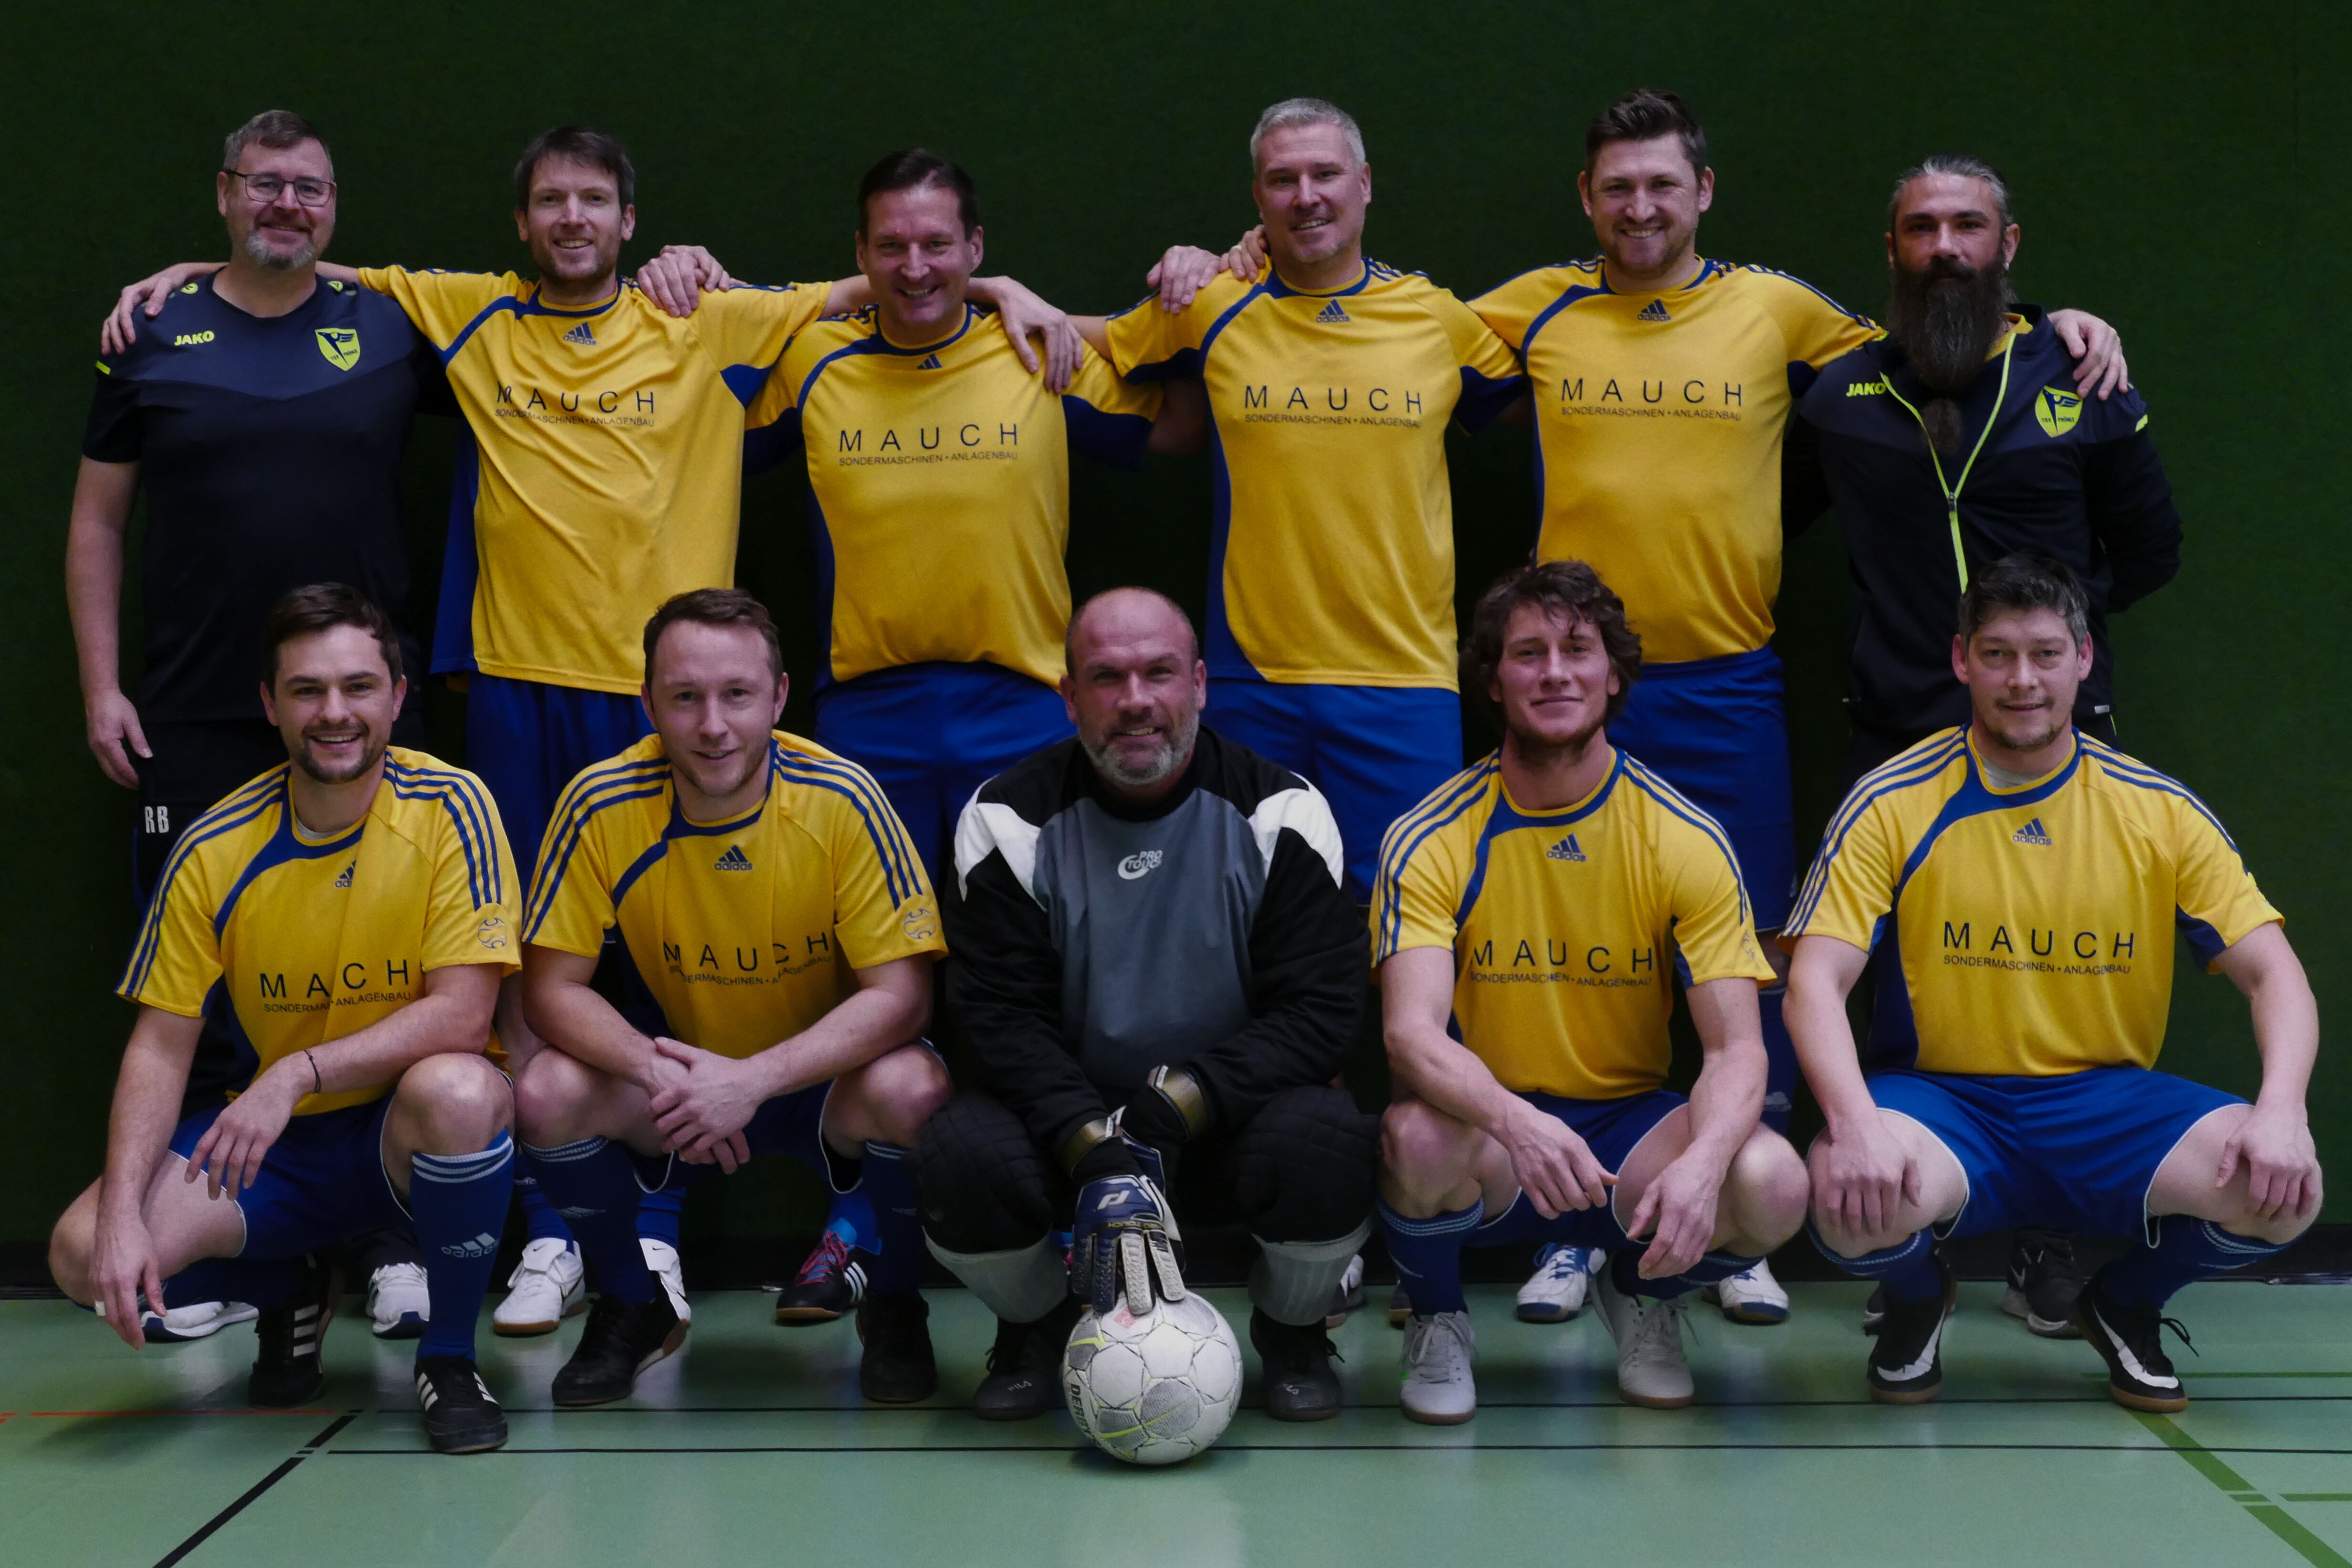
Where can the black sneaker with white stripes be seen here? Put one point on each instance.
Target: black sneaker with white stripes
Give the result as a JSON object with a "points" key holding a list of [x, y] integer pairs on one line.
{"points": [[2130, 1340], [2043, 1280], [1906, 1363], [621, 1340], [287, 1370], [831, 1283], [460, 1416]]}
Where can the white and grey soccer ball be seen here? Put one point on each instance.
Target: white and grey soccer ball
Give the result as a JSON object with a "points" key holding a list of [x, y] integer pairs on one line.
{"points": [[1155, 1389]]}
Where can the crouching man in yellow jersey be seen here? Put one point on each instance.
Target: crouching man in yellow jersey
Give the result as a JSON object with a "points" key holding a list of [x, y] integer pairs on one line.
{"points": [[781, 934], [2022, 882], [347, 917], [1525, 921]]}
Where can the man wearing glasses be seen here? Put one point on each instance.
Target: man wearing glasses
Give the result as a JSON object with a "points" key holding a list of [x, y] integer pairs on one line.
{"points": [[265, 411]]}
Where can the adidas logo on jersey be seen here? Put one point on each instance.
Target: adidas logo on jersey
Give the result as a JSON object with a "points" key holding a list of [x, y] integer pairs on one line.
{"points": [[482, 1246], [733, 861], [580, 335], [345, 880], [1655, 310], [2031, 833], [1566, 849], [930, 361], [1332, 312]]}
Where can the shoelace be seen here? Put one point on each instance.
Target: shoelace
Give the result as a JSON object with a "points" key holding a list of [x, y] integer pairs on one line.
{"points": [[400, 1274], [830, 1254], [1418, 1331], [1561, 1261], [1658, 1326]]}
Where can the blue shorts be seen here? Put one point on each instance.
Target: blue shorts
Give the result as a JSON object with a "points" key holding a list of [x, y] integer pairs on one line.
{"points": [[527, 740], [2076, 1152], [931, 734], [1374, 751], [1717, 730], [322, 1183], [792, 1125], [1610, 1128]]}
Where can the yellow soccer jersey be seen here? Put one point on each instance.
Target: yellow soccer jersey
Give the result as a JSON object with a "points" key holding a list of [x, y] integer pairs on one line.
{"points": [[1659, 419], [1562, 923], [2032, 926], [940, 488], [746, 931], [1333, 553], [607, 464], [306, 939]]}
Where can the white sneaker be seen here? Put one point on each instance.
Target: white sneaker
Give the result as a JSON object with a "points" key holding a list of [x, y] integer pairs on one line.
{"points": [[662, 1258], [196, 1321], [548, 1286], [1649, 1334], [1754, 1297], [398, 1301], [1438, 1388], [1554, 1292]]}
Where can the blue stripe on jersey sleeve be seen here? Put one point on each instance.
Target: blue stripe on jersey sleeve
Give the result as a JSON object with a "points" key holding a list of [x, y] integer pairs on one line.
{"points": [[773, 444], [589, 793], [1568, 297], [1483, 398], [240, 807], [1657, 789], [461, 798], [2202, 938], [896, 852], [1117, 438], [637, 867], [1407, 834], [1900, 773], [2113, 761], [746, 379]]}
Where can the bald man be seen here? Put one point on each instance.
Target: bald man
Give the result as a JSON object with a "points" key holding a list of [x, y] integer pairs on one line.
{"points": [[1157, 967]]}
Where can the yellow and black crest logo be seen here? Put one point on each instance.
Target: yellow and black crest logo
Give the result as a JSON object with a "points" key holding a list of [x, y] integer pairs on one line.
{"points": [[341, 347], [2057, 411]]}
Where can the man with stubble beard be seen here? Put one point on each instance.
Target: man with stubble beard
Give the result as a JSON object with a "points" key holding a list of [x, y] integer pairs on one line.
{"points": [[1953, 441], [1957, 438]]}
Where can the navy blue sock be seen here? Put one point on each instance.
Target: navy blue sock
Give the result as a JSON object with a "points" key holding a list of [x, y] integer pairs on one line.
{"points": [[658, 1211], [1907, 1269], [539, 1220], [252, 1280], [1624, 1270], [898, 1241], [459, 1202], [1428, 1253], [594, 1183], [852, 1218], [2186, 1249], [1780, 1071]]}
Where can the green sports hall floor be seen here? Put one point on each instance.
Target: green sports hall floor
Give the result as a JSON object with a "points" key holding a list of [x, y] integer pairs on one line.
{"points": [[753, 1446]]}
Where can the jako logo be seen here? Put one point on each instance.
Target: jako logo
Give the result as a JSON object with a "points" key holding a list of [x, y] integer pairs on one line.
{"points": [[1137, 864], [186, 339]]}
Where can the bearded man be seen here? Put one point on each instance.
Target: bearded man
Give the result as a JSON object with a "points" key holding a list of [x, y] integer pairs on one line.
{"points": [[1954, 440], [1959, 438]]}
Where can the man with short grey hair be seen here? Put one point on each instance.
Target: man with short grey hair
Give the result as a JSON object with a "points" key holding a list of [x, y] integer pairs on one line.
{"points": [[1158, 972]]}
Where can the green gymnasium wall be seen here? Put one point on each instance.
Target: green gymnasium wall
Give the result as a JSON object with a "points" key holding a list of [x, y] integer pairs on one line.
{"points": [[2180, 169]]}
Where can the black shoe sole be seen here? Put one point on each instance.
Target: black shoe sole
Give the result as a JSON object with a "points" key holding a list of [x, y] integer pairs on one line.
{"points": [[474, 1438], [881, 1391], [1053, 1401], [1302, 1413], [807, 1317]]}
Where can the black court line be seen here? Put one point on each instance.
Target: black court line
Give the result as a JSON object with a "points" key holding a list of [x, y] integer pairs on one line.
{"points": [[263, 1485], [1356, 1448], [1598, 1403]]}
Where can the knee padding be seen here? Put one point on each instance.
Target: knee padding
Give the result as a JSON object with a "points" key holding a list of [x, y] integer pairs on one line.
{"points": [[1305, 1165], [983, 1183]]}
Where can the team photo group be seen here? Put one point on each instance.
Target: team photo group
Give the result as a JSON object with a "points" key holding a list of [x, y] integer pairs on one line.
{"points": [[1154, 881]]}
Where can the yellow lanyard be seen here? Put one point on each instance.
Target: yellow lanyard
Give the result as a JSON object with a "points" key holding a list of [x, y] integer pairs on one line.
{"points": [[1952, 490]]}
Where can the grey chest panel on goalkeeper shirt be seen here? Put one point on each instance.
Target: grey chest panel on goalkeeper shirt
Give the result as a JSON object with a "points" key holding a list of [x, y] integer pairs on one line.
{"points": [[1153, 919]]}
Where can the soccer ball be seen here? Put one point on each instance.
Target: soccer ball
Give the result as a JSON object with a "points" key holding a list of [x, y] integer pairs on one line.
{"points": [[1153, 1390]]}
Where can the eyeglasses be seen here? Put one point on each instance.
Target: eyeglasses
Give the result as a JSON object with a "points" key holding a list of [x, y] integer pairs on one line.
{"points": [[267, 188]]}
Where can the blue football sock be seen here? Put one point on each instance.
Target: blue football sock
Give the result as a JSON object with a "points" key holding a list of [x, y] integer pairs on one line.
{"points": [[594, 1183], [852, 1218], [1428, 1253], [252, 1280], [1907, 1269], [460, 1202], [1624, 1271], [1780, 1073], [2186, 1249], [539, 1220], [898, 1240], [658, 1211]]}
